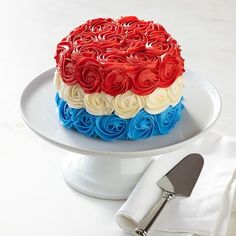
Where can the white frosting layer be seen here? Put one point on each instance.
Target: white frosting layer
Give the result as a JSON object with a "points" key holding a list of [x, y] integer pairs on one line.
{"points": [[125, 105]]}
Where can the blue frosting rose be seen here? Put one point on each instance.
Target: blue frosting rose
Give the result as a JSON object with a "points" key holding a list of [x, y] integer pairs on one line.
{"points": [[111, 127], [167, 119], [141, 126], [84, 122]]}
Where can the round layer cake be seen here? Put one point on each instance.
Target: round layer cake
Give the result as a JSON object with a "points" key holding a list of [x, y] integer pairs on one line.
{"points": [[119, 79]]}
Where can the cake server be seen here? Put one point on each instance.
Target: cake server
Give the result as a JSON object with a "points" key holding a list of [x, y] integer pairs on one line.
{"points": [[179, 181]]}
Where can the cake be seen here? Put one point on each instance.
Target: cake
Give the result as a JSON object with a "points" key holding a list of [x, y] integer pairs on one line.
{"points": [[119, 79]]}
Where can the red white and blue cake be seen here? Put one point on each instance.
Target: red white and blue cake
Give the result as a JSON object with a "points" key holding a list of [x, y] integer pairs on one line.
{"points": [[119, 79]]}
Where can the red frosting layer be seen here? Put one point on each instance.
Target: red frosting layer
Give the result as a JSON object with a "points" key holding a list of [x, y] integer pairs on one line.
{"points": [[114, 56]]}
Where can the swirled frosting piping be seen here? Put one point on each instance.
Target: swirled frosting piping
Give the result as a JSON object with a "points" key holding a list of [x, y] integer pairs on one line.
{"points": [[125, 105], [112, 127], [115, 56]]}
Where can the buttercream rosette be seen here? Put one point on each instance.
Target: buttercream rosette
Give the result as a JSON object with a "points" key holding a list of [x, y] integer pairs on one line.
{"points": [[119, 79]]}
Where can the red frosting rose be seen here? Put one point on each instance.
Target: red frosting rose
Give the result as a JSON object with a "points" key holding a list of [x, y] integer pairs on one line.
{"points": [[116, 82], [108, 27], [128, 20], [89, 50], [159, 49], [158, 37], [64, 48], [67, 69], [136, 41], [134, 23], [89, 75], [111, 40], [170, 68], [145, 82], [83, 38], [115, 56], [100, 24]]}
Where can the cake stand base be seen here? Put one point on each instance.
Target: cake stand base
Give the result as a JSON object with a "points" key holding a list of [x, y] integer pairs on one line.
{"points": [[104, 177]]}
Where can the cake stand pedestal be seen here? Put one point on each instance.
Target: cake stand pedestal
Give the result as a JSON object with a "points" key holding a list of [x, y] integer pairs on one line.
{"points": [[103, 177], [110, 170]]}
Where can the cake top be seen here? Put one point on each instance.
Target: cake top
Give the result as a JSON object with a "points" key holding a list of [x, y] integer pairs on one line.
{"points": [[114, 56]]}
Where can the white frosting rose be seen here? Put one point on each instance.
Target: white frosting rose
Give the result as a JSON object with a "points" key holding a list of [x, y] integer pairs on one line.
{"points": [[98, 103], [127, 105], [175, 91], [157, 101], [74, 96]]}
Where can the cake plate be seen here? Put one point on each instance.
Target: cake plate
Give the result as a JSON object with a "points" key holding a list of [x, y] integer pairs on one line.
{"points": [[110, 170]]}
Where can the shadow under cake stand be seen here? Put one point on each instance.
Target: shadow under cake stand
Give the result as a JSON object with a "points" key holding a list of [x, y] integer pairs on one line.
{"points": [[110, 170]]}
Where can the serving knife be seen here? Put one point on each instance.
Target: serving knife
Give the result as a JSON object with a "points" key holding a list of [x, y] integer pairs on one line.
{"points": [[179, 181]]}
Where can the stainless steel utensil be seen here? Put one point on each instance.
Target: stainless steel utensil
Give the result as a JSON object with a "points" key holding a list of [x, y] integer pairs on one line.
{"points": [[180, 181]]}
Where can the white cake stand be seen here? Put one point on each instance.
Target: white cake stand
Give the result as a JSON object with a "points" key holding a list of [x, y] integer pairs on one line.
{"points": [[110, 170]]}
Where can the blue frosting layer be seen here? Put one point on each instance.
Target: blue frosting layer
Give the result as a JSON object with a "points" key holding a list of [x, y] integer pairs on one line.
{"points": [[112, 127]]}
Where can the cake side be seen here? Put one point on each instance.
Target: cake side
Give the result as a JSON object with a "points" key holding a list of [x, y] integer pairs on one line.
{"points": [[125, 105], [112, 127]]}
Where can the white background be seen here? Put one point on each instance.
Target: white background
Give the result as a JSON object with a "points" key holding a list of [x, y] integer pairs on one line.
{"points": [[34, 200]]}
